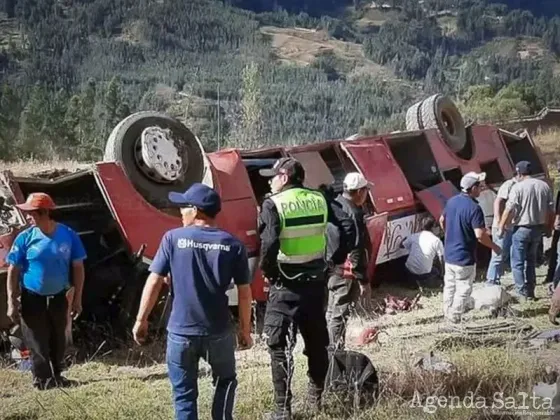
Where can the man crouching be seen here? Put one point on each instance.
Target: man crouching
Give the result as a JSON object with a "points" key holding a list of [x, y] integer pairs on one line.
{"points": [[201, 260]]}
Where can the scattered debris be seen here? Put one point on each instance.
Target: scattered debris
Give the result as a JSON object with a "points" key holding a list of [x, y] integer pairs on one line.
{"points": [[394, 304], [433, 363], [367, 336], [491, 297], [488, 328], [553, 335], [448, 342]]}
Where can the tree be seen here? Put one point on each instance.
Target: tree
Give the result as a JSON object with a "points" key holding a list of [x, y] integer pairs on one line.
{"points": [[55, 126], [72, 123], [87, 140], [31, 139], [251, 117], [10, 110], [112, 102]]}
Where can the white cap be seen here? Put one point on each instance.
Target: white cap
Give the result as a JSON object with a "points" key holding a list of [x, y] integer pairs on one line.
{"points": [[355, 181], [471, 178]]}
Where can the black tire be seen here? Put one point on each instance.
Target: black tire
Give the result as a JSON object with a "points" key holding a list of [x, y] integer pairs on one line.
{"points": [[413, 118], [440, 112], [124, 139]]}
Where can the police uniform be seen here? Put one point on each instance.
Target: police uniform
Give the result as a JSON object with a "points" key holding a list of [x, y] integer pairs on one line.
{"points": [[292, 226]]}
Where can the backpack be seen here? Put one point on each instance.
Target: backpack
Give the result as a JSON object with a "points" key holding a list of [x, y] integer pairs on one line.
{"points": [[352, 377]]}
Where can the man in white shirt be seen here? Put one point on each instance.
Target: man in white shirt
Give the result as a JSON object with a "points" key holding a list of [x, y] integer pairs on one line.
{"points": [[423, 247]]}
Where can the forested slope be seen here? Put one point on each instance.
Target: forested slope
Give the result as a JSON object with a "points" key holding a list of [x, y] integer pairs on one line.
{"points": [[69, 70]]}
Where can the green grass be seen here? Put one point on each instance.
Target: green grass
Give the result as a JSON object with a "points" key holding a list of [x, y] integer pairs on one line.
{"points": [[131, 383]]}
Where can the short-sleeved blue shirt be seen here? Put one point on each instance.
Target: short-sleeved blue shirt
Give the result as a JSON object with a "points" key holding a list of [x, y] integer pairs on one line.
{"points": [[45, 261], [202, 261], [462, 215]]}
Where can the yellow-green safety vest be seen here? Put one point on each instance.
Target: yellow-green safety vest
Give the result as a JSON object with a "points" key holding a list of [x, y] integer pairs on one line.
{"points": [[303, 220]]}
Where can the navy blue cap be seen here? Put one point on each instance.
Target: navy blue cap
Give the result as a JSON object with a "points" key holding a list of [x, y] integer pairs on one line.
{"points": [[523, 167], [200, 196]]}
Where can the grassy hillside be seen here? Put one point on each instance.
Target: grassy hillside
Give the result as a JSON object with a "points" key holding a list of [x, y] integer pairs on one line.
{"points": [[70, 70]]}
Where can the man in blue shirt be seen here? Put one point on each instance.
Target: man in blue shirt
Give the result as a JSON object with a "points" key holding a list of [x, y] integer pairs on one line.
{"points": [[463, 222], [44, 262], [202, 260]]}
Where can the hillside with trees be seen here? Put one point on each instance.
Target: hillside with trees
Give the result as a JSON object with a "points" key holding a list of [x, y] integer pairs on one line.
{"points": [[70, 70]]}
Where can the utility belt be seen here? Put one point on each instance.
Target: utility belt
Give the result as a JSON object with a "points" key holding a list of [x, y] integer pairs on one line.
{"points": [[303, 277]]}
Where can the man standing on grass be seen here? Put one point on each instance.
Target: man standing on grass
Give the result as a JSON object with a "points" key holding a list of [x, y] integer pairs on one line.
{"points": [[201, 260], [46, 260], [499, 262], [531, 208], [348, 281], [463, 222], [292, 226]]}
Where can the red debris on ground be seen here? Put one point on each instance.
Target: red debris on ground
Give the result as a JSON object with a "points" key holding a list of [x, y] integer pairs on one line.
{"points": [[368, 335], [394, 304]]}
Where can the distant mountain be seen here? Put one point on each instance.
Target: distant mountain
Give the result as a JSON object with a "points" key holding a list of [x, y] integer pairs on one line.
{"points": [[546, 8]]}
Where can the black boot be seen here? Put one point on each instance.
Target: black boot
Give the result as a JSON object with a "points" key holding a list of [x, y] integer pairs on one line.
{"points": [[313, 398]]}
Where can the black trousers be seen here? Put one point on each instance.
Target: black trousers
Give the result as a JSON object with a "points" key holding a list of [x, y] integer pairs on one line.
{"points": [[552, 256], [294, 306], [43, 323]]}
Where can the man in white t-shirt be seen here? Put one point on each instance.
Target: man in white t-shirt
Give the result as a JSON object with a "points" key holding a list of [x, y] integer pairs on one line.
{"points": [[423, 247], [499, 262]]}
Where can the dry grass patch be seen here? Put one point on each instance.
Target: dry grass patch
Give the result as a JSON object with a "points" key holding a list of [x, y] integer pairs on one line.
{"points": [[549, 143], [131, 382], [303, 46], [32, 167], [111, 392]]}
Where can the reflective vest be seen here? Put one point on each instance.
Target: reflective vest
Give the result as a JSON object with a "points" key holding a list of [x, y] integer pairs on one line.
{"points": [[303, 221]]}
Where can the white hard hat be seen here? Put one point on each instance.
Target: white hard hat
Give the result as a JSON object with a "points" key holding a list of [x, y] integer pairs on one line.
{"points": [[355, 181]]}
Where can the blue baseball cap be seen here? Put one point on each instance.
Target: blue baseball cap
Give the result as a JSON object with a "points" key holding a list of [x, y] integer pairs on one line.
{"points": [[523, 167], [200, 196]]}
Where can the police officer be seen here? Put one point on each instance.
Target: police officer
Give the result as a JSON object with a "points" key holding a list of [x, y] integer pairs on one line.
{"points": [[292, 226]]}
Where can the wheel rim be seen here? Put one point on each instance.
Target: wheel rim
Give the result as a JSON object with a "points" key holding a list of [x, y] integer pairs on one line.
{"points": [[448, 123], [158, 157]]}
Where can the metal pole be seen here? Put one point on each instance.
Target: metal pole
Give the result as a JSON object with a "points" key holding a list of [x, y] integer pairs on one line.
{"points": [[219, 128]]}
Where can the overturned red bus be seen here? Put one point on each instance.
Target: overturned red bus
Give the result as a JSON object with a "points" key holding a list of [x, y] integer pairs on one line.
{"points": [[119, 206]]}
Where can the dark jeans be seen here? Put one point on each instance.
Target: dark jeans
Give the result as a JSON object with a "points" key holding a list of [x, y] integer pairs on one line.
{"points": [[343, 293], [292, 306], [556, 275], [553, 258], [43, 324], [183, 355], [431, 280], [524, 249], [498, 263]]}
